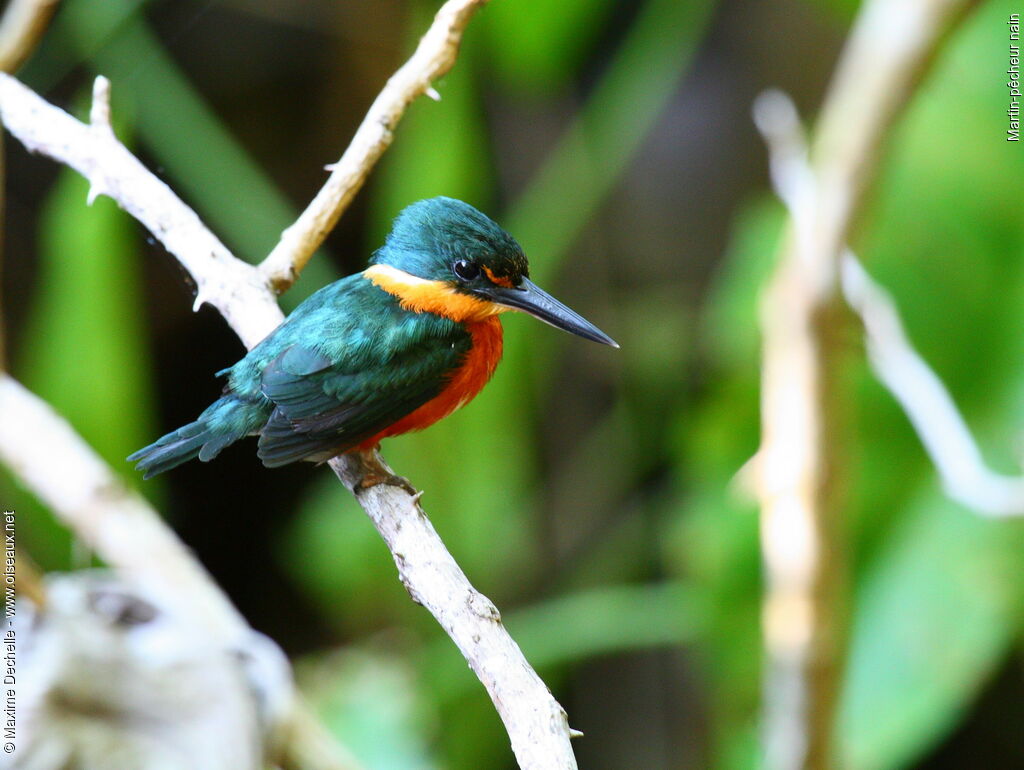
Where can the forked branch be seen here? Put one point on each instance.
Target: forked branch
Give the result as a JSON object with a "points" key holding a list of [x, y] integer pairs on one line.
{"points": [[535, 722], [915, 385], [800, 487], [434, 57]]}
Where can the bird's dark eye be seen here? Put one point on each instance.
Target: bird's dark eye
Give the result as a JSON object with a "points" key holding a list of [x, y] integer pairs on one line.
{"points": [[465, 270]]}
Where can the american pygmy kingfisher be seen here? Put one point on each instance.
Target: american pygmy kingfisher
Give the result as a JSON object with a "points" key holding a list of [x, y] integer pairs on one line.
{"points": [[390, 350]]}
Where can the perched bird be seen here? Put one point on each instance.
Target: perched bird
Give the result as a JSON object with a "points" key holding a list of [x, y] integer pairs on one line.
{"points": [[390, 350]]}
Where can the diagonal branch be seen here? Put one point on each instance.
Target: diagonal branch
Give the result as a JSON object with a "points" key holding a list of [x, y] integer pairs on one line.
{"points": [[434, 57], [927, 403], [434, 579], [535, 722], [130, 536], [898, 366], [222, 280], [889, 48]]}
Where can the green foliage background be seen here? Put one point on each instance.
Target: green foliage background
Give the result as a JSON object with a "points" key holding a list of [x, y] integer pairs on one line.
{"points": [[590, 493]]}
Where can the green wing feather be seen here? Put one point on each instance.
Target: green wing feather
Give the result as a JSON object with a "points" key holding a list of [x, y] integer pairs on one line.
{"points": [[337, 379], [318, 414], [348, 362]]}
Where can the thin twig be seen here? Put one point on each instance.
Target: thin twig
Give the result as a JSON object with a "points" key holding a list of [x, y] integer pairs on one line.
{"points": [[21, 27], [927, 403], [889, 48], [918, 389], [536, 724], [433, 58]]}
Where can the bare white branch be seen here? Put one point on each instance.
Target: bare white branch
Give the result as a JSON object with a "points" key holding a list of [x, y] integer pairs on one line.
{"points": [[533, 718], [230, 285], [433, 58], [918, 389], [799, 462], [536, 724], [929, 406]]}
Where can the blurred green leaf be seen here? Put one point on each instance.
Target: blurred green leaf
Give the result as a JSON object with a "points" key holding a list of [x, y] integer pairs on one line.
{"points": [[842, 11], [731, 320], [539, 45], [713, 539], [85, 345], [591, 156], [334, 553], [594, 151], [370, 702], [208, 166], [933, 617], [85, 350]]}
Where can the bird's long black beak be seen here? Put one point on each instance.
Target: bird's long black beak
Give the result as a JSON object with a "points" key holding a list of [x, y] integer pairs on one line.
{"points": [[532, 299]]}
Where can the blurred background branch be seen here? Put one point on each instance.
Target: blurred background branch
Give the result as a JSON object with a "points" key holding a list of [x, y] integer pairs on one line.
{"points": [[927, 402], [116, 523], [919, 390], [130, 537], [21, 27], [802, 456]]}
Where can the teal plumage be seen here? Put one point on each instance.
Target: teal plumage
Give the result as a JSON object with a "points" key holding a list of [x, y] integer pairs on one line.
{"points": [[354, 358], [392, 361]]}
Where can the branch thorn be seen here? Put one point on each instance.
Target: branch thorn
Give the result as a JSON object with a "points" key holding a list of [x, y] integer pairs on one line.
{"points": [[99, 113]]}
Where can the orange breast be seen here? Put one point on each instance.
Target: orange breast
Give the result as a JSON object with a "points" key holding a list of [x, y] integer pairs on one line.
{"points": [[463, 385]]}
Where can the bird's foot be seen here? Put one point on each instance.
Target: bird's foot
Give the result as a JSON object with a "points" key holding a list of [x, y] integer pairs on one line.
{"points": [[367, 470], [371, 479]]}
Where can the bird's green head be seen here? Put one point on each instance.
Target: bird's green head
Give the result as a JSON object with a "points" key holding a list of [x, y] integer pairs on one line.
{"points": [[443, 256], [443, 239]]}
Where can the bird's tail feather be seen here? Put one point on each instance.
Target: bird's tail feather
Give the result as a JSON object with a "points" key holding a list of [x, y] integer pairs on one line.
{"points": [[223, 423]]}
